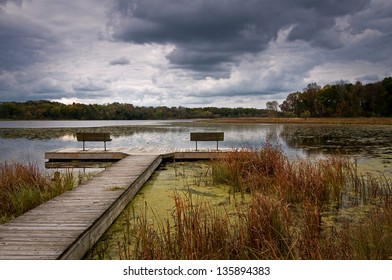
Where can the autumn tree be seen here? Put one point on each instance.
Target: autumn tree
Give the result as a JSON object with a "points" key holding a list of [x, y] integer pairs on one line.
{"points": [[341, 100]]}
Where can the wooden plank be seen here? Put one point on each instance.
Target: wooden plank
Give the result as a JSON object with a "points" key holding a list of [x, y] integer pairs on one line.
{"points": [[85, 242], [79, 217], [69, 154], [93, 136], [207, 136], [67, 226], [88, 154]]}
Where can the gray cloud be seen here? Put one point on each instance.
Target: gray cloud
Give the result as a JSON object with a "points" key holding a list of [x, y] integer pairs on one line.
{"points": [[89, 86], [188, 53], [22, 42], [209, 35], [3, 3], [120, 61], [48, 86], [369, 78]]}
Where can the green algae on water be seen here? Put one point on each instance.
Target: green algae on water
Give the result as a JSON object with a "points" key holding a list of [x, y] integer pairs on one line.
{"points": [[155, 202]]}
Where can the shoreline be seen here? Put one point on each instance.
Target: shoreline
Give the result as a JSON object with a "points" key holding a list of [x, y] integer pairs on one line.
{"points": [[268, 120]]}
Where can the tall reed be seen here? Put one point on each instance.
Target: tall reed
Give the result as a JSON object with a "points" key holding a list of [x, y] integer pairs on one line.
{"points": [[23, 187], [299, 209], [195, 232]]}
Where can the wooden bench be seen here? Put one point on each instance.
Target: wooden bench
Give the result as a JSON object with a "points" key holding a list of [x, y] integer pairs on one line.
{"points": [[207, 136], [93, 137]]}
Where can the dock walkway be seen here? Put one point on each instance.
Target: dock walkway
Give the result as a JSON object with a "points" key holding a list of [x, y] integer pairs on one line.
{"points": [[67, 226]]}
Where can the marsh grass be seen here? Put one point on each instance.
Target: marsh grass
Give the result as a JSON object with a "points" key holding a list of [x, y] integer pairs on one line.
{"points": [[368, 121], [196, 231], [301, 209], [23, 187]]}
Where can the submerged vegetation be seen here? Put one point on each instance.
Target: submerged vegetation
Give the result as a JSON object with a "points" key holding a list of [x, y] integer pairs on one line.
{"points": [[302, 209], [272, 208], [315, 209], [23, 187]]}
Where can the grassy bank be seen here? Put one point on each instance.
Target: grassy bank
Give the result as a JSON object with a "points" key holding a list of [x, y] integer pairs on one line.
{"points": [[367, 121], [23, 187], [319, 209]]}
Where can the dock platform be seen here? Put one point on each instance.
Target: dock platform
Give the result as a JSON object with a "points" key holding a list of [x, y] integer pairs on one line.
{"points": [[67, 226], [70, 154]]}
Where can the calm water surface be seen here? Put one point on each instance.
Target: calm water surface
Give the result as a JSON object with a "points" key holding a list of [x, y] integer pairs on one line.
{"points": [[27, 141]]}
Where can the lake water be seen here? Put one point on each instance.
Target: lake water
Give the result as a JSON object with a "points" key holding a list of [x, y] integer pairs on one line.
{"points": [[27, 141]]}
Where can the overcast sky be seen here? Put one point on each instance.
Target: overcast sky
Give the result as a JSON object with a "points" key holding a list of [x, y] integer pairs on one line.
{"points": [[192, 53]]}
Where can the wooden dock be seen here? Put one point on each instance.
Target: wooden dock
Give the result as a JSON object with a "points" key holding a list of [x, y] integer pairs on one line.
{"points": [[70, 154], [67, 226]]}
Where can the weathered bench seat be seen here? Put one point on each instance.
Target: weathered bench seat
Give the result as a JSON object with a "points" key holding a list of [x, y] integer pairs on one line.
{"points": [[207, 136], [93, 137]]}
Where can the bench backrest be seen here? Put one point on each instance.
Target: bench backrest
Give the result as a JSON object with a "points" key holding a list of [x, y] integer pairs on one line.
{"points": [[92, 136], [207, 136]]}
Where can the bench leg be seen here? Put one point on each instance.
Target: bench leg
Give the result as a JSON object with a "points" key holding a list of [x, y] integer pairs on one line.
{"points": [[83, 146], [196, 145], [104, 143], [217, 145]]}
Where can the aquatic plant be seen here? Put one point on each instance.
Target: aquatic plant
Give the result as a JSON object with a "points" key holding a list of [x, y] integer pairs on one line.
{"points": [[300, 209]]}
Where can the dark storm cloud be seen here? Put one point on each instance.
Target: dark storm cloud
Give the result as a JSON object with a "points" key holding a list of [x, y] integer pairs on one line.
{"points": [[188, 51], [22, 42], [202, 61], [313, 19], [374, 27], [210, 35]]}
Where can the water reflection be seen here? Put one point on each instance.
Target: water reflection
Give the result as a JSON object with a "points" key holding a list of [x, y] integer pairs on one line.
{"points": [[370, 145], [28, 141], [371, 141]]}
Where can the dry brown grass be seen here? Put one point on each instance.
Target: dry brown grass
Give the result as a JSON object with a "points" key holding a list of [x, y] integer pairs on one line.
{"points": [[23, 187], [369, 121], [286, 217]]}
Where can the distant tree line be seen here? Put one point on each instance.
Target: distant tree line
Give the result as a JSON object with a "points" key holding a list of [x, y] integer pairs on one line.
{"points": [[341, 100], [48, 110]]}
